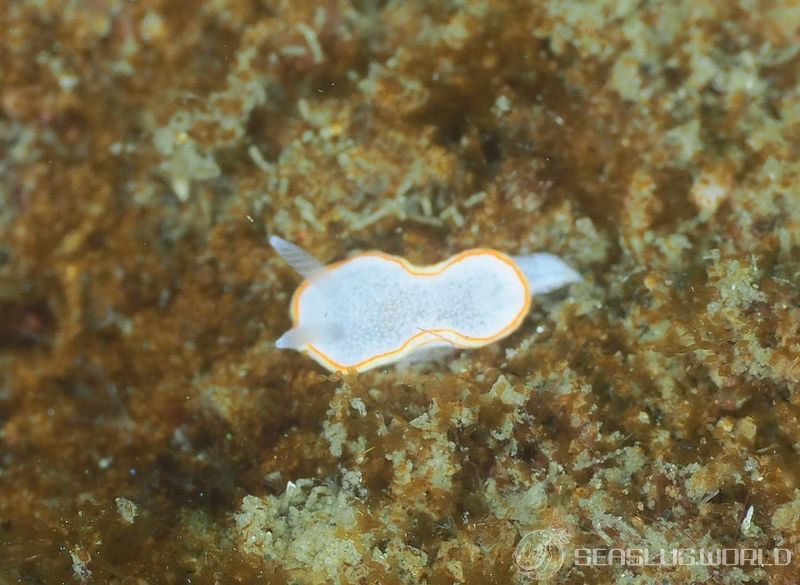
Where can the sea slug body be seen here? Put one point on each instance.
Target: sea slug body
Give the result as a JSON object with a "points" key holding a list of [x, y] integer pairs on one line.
{"points": [[374, 309]]}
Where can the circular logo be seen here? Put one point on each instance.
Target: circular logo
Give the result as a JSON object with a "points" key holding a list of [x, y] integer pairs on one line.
{"points": [[540, 553]]}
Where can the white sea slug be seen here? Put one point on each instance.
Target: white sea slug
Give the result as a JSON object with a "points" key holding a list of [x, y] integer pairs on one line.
{"points": [[374, 309]]}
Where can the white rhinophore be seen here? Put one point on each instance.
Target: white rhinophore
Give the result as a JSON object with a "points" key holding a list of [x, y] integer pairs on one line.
{"points": [[303, 263]]}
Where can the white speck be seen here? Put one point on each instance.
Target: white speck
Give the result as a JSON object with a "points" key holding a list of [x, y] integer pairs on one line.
{"points": [[68, 82], [358, 405], [503, 105], [748, 517], [127, 509], [710, 189]]}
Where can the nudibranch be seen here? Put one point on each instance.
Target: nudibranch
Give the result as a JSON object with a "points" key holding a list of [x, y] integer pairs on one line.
{"points": [[374, 309]]}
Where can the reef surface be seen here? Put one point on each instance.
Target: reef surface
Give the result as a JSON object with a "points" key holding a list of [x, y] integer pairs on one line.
{"points": [[151, 433]]}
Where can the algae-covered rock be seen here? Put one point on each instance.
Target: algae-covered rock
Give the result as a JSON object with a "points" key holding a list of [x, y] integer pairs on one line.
{"points": [[150, 432]]}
